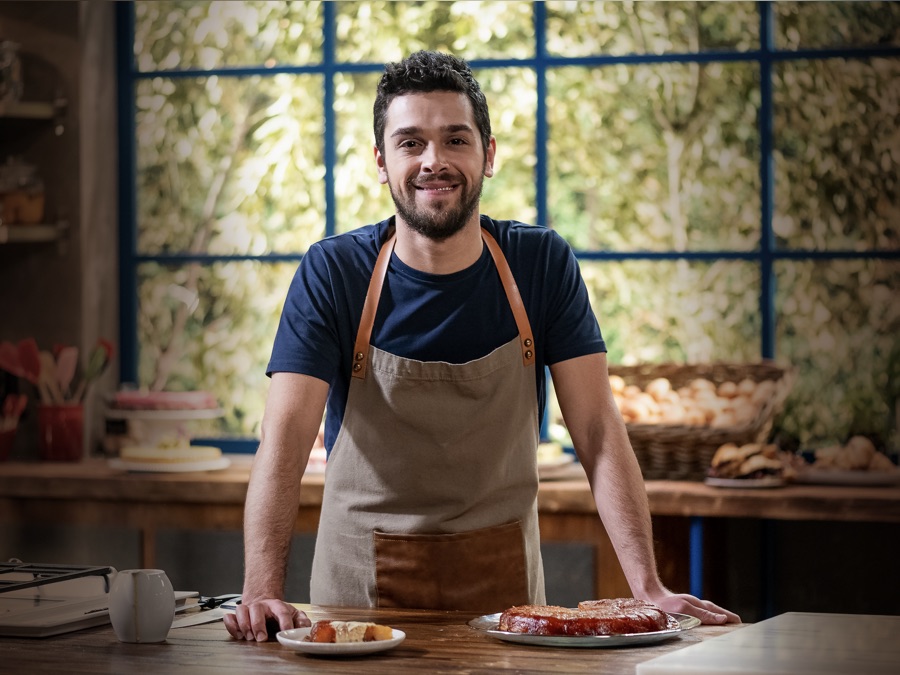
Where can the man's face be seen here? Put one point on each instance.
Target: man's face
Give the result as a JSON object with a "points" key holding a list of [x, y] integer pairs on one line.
{"points": [[433, 162]]}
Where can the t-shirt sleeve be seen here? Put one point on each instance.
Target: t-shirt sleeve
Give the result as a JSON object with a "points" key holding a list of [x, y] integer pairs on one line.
{"points": [[306, 341], [572, 328]]}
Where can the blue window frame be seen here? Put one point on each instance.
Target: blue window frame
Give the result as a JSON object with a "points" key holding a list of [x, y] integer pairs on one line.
{"points": [[765, 256]]}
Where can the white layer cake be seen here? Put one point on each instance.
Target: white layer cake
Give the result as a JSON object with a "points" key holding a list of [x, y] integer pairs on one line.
{"points": [[170, 455]]}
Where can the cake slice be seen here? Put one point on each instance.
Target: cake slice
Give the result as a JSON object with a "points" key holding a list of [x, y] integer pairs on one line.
{"points": [[348, 631]]}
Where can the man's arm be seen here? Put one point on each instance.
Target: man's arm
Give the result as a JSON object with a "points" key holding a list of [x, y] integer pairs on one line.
{"points": [[294, 410], [601, 442]]}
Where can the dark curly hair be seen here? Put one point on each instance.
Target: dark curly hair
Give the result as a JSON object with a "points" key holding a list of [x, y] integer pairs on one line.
{"points": [[426, 71]]}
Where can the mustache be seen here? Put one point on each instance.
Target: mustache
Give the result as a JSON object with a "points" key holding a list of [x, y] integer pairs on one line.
{"points": [[443, 178]]}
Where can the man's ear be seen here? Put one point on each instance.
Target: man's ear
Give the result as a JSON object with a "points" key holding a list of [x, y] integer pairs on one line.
{"points": [[379, 163], [490, 151]]}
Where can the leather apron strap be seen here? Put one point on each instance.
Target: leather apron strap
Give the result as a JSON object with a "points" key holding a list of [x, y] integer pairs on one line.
{"points": [[373, 295]]}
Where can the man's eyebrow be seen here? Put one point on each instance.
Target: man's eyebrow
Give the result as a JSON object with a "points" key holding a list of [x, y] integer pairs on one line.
{"points": [[448, 129]]}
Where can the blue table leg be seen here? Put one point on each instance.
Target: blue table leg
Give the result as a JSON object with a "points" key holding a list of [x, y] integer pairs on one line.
{"points": [[767, 568], [696, 556]]}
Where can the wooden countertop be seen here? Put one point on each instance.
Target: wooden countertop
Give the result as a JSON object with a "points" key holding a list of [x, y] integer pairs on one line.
{"points": [[92, 493], [436, 642], [93, 479]]}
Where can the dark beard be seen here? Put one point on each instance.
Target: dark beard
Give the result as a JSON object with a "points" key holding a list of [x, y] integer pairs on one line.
{"points": [[440, 225]]}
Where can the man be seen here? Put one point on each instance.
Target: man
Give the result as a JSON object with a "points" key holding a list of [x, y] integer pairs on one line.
{"points": [[427, 336]]}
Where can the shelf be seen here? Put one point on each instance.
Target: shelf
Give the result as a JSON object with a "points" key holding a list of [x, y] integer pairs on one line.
{"points": [[28, 110], [31, 234]]}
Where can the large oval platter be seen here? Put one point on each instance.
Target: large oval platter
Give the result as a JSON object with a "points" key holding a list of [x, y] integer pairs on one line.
{"points": [[489, 622]]}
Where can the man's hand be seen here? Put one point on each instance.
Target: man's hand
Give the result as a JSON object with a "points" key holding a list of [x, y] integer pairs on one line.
{"points": [[683, 603], [254, 620]]}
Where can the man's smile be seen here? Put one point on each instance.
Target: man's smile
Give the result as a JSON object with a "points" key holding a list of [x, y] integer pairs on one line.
{"points": [[435, 187]]}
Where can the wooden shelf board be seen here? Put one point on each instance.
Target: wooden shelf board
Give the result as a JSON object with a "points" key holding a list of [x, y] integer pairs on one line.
{"points": [[29, 234], [34, 110]]}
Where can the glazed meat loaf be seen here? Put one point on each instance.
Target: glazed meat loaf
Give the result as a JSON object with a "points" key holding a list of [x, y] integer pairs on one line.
{"points": [[619, 616]]}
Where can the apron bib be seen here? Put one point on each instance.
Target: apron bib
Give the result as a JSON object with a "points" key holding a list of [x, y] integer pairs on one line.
{"points": [[431, 489]]}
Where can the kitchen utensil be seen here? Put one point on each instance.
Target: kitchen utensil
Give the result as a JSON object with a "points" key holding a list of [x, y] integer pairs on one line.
{"points": [[197, 618], [9, 359], [141, 605], [13, 406], [29, 360], [47, 378], [97, 363], [203, 602], [66, 365]]}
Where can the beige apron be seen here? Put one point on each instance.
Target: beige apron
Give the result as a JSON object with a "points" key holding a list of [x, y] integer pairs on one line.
{"points": [[431, 489]]}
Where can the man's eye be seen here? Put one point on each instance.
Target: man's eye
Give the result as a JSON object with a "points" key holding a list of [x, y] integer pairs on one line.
{"points": [[408, 144], [457, 141]]}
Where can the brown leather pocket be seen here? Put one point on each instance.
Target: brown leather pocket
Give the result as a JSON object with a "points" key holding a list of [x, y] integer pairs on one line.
{"points": [[480, 570]]}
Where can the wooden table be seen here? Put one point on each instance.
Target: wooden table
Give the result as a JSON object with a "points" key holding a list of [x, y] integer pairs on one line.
{"points": [[436, 642], [90, 492]]}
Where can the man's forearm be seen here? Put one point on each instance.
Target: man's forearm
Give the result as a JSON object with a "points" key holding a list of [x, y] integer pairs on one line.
{"points": [[621, 499], [273, 497]]}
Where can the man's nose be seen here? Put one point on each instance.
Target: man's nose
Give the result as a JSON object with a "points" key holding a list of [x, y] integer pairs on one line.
{"points": [[433, 158]]}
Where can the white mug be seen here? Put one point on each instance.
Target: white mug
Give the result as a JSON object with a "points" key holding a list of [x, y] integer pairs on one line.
{"points": [[141, 605]]}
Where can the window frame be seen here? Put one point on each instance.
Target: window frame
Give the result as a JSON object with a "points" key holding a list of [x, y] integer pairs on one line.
{"points": [[765, 256]]}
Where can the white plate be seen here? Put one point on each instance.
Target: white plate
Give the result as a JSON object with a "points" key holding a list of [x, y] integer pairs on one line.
{"points": [[561, 460], [489, 622], [838, 477], [171, 467], [556, 466], [770, 482], [296, 640], [161, 415]]}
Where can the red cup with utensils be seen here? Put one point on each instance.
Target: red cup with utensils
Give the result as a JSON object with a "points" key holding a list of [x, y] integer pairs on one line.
{"points": [[61, 432], [7, 438], [13, 405]]}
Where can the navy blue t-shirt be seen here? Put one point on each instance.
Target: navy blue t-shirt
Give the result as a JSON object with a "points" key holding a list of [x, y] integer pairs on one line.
{"points": [[453, 318]]}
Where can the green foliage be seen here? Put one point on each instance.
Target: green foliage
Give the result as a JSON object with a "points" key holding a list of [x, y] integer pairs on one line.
{"points": [[809, 25], [658, 158], [175, 35], [653, 312], [651, 157], [378, 32], [837, 154], [211, 327], [587, 28], [838, 323]]}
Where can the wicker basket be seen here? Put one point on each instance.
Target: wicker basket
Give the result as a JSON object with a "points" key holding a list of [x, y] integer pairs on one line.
{"points": [[684, 452]]}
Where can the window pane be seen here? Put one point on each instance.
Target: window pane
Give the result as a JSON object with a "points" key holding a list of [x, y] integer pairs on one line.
{"points": [[810, 25], [594, 28], [837, 155], [512, 99], [230, 165], [838, 323], [361, 199], [212, 328], [657, 157], [181, 35], [379, 32], [676, 311]]}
